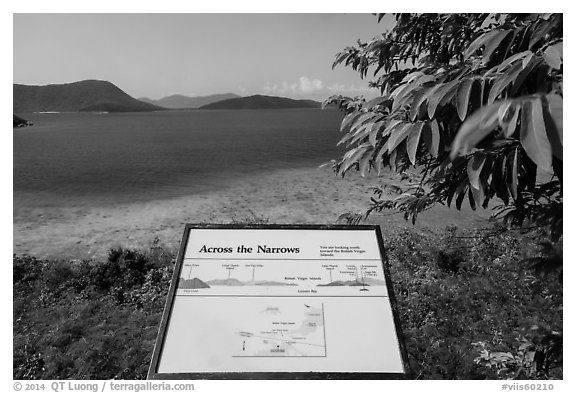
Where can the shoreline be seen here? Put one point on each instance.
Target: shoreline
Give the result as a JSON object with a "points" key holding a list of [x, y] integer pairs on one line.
{"points": [[288, 196]]}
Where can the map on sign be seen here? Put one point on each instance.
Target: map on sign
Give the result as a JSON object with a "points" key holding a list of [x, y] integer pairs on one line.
{"points": [[280, 300], [295, 330]]}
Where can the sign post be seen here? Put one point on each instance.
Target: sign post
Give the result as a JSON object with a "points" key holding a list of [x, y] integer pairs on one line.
{"points": [[280, 302]]}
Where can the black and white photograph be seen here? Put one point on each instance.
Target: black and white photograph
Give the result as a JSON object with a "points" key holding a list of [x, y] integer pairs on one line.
{"points": [[249, 196]]}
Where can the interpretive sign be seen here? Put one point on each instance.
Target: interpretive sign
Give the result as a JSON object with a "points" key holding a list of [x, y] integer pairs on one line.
{"points": [[275, 301]]}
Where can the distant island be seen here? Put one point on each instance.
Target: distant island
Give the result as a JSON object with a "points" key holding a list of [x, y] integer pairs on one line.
{"points": [[178, 101], [20, 122], [83, 96], [262, 102]]}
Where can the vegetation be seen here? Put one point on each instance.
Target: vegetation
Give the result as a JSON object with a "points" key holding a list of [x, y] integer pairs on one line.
{"points": [[474, 101], [468, 310], [81, 320], [471, 310]]}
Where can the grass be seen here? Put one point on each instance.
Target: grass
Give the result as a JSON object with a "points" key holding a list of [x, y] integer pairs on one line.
{"points": [[468, 306]]}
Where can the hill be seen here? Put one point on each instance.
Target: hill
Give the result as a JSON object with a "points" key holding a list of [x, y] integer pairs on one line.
{"points": [[232, 282], [195, 283], [351, 283], [262, 102], [178, 101], [20, 122], [83, 96]]}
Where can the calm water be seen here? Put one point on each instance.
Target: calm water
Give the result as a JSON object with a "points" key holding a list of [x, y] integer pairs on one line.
{"points": [[118, 158]]}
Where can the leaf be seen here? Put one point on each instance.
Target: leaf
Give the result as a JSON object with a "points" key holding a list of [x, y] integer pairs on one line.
{"points": [[392, 161], [413, 141], [506, 63], [494, 43], [527, 59], [463, 95], [461, 192], [398, 136], [540, 32], [431, 93], [478, 42], [511, 126], [526, 71], [351, 158], [360, 133], [524, 41], [419, 98], [364, 164], [391, 126], [478, 195], [401, 93], [339, 58], [375, 102], [374, 133], [498, 54], [435, 132], [425, 79], [475, 97], [553, 57], [449, 94], [438, 96], [498, 182], [552, 105], [506, 112], [471, 200], [348, 119], [503, 81], [475, 128], [533, 135], [411, 76], [513, 171], [559, 48], [346, 137], [474, 168]]}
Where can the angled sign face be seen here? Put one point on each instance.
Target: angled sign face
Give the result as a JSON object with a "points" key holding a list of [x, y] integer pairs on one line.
{"points": [[280, 302]]}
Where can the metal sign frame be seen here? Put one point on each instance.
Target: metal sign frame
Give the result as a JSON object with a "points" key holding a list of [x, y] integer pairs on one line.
{"points": [[160, 340]]}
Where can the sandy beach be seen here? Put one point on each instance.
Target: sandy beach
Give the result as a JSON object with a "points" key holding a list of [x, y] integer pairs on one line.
{"points": [[294, 196]]}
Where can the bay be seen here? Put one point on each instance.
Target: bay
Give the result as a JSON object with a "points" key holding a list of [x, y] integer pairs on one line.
{"points": [[69, 159]]}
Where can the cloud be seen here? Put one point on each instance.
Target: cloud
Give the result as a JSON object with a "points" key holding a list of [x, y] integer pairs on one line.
{"points": [[337, 88], [309, 86], [315, 87], [304, 85]]}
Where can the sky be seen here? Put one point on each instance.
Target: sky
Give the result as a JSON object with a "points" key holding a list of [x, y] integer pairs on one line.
{"points": [[156, 55]]}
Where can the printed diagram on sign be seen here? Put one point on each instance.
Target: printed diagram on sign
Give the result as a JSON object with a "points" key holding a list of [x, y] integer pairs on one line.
{"points": [[269, 277], [294, 329]]}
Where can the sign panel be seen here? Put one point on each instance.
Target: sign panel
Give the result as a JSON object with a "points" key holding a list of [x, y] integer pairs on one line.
{"points": [[280, 302]]}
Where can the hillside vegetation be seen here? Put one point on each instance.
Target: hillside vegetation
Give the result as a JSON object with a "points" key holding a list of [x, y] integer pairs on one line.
{"points": [[88, 95]]}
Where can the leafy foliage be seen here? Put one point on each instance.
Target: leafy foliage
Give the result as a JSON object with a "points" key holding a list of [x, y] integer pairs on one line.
{"points": [[470, 310], [86, 320], [472, 100]]}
